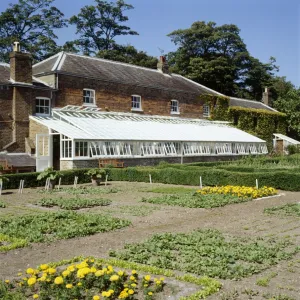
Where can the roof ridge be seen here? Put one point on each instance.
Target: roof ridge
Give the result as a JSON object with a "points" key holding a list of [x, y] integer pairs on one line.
{"points": [[114, 62], [255, 101], [47, 59]]}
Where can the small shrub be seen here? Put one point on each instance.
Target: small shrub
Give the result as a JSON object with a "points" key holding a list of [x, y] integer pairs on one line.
{"points": [[58, 225], [73, 203]]}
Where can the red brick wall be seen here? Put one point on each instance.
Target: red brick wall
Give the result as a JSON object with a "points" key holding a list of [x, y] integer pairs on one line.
{"points": [[117, 97], [17, 104]]}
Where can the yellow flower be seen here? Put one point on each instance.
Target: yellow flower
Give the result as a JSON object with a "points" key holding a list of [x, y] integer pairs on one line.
{"points": [[69, 286], [96, 297], [58, 280], [114, 278], [44, 267], [132, 278], [147, 277], [133, 285], [133, 272], [35, 296], [161, 278], [79, 283], [66, 273], [93, 270], [120, 273], [131, 292], [146, 285], [30, 271], [31, 281], [7, 281], [43, 278], [71, 268], [51, 271], [19, 274], [99, 273], [150, 293]]}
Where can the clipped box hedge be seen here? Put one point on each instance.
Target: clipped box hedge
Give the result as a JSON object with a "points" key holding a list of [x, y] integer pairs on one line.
{"points": [[285, 180]]}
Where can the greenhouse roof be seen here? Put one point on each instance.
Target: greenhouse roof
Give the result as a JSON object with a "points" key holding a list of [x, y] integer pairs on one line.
{"points": [[90, 124]]}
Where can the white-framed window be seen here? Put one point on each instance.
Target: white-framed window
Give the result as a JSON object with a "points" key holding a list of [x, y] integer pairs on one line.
{"points": [[136, 102], [66, 151], [89, 97], [42, 106], [174, 107], [206, 110], [81, 149]]}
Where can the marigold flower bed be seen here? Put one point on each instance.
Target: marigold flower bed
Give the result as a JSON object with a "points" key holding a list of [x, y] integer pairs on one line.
{"points": [[85, 280], [239, 191]]}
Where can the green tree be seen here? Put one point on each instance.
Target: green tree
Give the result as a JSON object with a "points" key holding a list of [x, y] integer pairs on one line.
{"points": [[287, 100], [217, 57], [32, 23], [129, 54], [98, 25]]}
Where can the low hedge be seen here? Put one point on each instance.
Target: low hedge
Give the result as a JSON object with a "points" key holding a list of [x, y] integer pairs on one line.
{"points": [[285, 180]]}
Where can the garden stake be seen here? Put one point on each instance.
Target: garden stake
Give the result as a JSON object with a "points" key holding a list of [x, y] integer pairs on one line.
{"points": [[200, 182], [150, 178], [47, 185], [59, 182], [75, 181], [21, 186], [106, 177], [0, 188], [256, 181]]}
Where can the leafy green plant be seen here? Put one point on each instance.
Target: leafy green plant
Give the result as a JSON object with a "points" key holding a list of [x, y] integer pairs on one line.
{"points": [[277, 297], [196, 200], [72, 203], [292, 149], [9, 243], [96, 173], [49, 173], [81, 191], [290, 209], [2, 204], [137, 210], [264, 281], [208, 252], [170, 190], [58, 225]]}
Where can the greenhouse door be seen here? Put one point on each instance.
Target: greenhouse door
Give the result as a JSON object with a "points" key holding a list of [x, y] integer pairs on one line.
{"points": [[43, 152]]}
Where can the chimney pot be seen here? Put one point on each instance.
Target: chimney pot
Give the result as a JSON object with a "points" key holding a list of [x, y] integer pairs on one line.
{"points": [[17, 47], [267, 99], [162, 65]]}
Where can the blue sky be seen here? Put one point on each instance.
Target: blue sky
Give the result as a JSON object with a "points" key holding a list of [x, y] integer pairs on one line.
{"points": [[268, 27]]}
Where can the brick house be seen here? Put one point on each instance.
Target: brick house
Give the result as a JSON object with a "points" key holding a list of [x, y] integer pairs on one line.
{"points": [[70, 110]]}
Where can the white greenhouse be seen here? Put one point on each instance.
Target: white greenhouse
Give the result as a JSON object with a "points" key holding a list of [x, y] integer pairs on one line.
{"points": [[78, 137]]}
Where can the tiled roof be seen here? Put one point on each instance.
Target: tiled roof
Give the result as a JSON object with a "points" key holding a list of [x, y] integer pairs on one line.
{"points": [[4, 74], [18, 159], [5, 77], [106, 70], [249, 104]]}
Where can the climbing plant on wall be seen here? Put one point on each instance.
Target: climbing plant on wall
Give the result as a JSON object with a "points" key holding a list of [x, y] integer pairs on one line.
{"points": [[259, 122]]}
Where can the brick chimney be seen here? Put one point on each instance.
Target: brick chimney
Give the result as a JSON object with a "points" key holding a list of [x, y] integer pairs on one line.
{"points": [[20, 65], [162, 65], [267, 99]]}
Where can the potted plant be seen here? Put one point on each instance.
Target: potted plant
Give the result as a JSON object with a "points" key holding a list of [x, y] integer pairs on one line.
{"points": [[96, 175], [51, 174]]}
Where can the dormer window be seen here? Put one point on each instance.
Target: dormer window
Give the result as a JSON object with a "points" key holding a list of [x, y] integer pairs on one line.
{"points": [[174, 107], [89, 97], [42, 106], [136, 102], [206, 110]]}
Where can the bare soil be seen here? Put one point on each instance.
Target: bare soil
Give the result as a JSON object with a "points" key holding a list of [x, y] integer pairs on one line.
{"points": [[243, 220]]}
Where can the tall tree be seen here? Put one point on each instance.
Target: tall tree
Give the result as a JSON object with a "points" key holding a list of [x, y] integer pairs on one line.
{"points": [[217, 57], [32, 23], [287, 100], [98, 25], [129, 54]]}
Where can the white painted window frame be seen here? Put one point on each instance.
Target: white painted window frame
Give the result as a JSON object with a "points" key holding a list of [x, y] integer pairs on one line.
{"points": [[81, 149], [175, 110], [44, 106], [133, 103], [93, 97], [206, 110], [66, 141]]}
